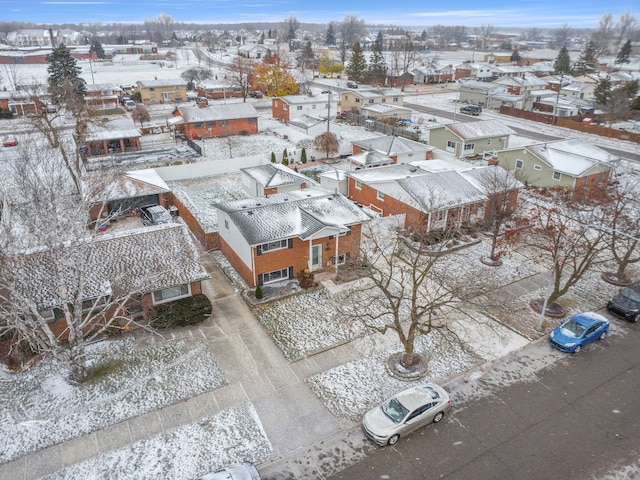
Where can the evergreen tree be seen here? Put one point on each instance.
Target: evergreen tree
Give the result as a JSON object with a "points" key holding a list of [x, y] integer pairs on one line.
{"points": [[273, 157], [66, 87], [357, 67], [515, 56], [623, 54], [380, 38], [377, 64], [96, 47], [303, 156], [562, 64], [423, 36], [331, 36], [587, 63]]}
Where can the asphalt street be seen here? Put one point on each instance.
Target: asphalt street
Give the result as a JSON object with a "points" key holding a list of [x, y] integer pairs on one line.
{"points": [[577, 417]]}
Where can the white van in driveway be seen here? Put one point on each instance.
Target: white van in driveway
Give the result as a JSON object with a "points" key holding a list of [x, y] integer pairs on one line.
{"points": [[129, 104]]}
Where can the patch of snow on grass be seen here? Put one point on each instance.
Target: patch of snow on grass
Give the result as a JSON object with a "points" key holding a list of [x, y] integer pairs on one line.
{"points": [[39, 408], [190, 451], [351, 389]]}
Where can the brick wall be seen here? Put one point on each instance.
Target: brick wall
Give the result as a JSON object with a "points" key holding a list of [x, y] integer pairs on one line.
{"points": [[233, 127], [209, 240], [278, 110], [236, 262], [367, 195]]}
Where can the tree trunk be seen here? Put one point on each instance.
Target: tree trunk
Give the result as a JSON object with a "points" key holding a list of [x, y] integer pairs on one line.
{"points": [[78, 370]]}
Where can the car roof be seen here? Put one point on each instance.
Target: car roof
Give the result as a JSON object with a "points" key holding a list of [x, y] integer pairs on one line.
{"points": [[154, 208], [589, 318], [419, 395]]}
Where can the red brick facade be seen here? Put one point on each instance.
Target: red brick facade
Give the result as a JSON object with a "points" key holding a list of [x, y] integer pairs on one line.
{"points": [[280, 110], [218, 128], [209, 240], [368, 196], [295, 258]]}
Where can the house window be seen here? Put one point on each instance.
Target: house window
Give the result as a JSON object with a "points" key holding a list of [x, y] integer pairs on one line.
{"points": [[519, 163], [489, 141], [299, 107], [198, 124], [171, 293], [313, 107], [395, 99], [537, 167], [94, 304], [152, 89], [252, 120], [451, 144], [358, 184], [226, 224], [557, 176], [438, 216], [371, 100], [51, 314], [285, 107], [601, 177], [380, 196], [469, 146], [224, 123], [277, 245], [275, 276], [211, 124], [384, 100], [357, 100]]}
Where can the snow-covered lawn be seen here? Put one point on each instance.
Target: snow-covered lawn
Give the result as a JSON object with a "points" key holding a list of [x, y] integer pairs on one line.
{"points": [[190, 451], [351, 389], [305, 323], [39, 408]]}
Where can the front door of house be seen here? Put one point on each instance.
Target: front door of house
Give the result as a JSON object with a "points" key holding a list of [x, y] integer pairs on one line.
{"points": [[166, 96], [316, 256]]}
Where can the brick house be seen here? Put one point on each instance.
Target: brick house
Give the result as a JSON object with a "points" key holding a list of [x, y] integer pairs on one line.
{"points": [[270, 179], [398, 149], [291, 107], [151, 265], [162, 91], [215, 121], [275, 238], [19, 102], [570, 163], [102, 96], [218, 89], [354, 100], [431, 194], [433, 73], [471, 138]]}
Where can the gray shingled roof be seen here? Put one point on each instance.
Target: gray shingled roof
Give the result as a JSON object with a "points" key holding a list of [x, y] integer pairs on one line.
{"points": [[294, 214], [392, 145], [161, 83], [435, 191], [271, 175], [481, 129], [228, 111], [141, 260]]}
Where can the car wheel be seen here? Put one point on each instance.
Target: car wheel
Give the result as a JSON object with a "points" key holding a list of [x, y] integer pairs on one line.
{"points": [[393, 440], [578, 348], [603, 335], [438, 417]]}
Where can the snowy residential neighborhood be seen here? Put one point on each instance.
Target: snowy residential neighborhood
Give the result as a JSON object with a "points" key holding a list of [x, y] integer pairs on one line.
{"points": [[201, 266]]}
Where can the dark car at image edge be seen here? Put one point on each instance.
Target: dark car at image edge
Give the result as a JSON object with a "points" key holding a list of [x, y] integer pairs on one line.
{"points": [[626, 304]]}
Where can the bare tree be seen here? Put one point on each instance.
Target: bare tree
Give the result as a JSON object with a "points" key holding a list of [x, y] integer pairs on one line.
{"points": [[602, 37], [194, 75], [621, 220], [562, 35], [403, 58], [326, 142], [13, 75], [140, 114], [626, 26], [484, 33], [564, 234], [406, 290], [351, 30], [241, 73], [501, 189]]}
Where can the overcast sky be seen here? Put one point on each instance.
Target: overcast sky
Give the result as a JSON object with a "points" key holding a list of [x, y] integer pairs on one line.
{"points": [[470, 13]]}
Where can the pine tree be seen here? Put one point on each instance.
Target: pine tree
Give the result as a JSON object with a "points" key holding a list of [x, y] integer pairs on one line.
{"points": [[562, 64], [357, 67], [515, 56], [285, 157], [66, 87], [380, 38], [377, 64], [587, 63], [331, 36], [423, 35], [96, 47], [303, 156], [273, 157], [623, 54]]}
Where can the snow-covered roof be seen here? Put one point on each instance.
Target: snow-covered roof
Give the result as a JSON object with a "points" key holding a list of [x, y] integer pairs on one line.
{"points": [[301, 213], [274, 175], [161, 83], [306, 121], [133, 261], [573, 157], [132, 184], [303, 99], [481, 129], [370, 159], [376, 93], [527, 81], [228, 111], [386, 109], [112, 130], [435, 191], [486, 87], [392, 145]]}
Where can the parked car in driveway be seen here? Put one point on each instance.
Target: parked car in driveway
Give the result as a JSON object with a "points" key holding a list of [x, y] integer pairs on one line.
{"points": [[10, 141], [626, 303], [352, 85], [405, 412], [238, 471], [471, 109], [579, 331], [154, 215]]}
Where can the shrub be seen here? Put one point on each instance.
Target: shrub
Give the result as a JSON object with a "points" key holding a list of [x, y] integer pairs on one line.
{"points": [[186, 311], [303, 156], [259, 293], [305, 278], [273, 157]]}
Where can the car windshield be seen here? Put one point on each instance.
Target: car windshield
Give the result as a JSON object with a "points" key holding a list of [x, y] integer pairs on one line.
{"points": [[394, 410], [573, 329], [631, 294]]}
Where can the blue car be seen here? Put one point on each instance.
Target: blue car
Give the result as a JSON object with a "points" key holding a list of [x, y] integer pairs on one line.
{"points": [[579, 331]]}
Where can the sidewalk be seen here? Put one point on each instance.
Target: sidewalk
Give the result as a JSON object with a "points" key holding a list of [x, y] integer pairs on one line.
{"points": [[307, 440]]}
